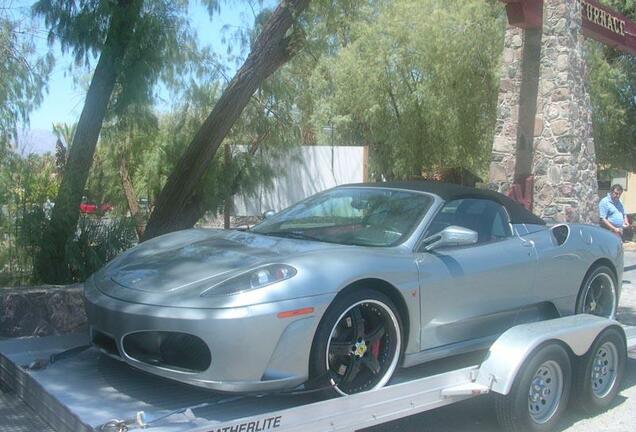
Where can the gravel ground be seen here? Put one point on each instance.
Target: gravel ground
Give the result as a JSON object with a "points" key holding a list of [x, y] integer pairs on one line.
{"points": [[477, 415]]}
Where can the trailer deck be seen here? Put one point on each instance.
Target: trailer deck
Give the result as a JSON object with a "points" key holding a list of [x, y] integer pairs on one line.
{"points": [[88, 390]]}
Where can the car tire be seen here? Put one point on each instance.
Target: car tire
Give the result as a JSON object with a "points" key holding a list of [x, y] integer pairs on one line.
{"points": [[603, 279], [539, 394], [357, 345], [599, 372]]}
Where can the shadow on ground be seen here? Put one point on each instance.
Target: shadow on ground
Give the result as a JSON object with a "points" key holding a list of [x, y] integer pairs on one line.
{"points": [[626, 315]]}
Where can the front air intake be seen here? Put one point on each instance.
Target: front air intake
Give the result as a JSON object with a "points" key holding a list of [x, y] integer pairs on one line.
{"points": [[179, 351]]}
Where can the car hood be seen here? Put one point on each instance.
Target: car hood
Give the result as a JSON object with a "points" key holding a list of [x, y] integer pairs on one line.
{"points": [[197, 257]]}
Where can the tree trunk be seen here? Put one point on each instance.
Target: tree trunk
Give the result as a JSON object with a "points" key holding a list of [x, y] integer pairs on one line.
{"points": [[176, 205], [131, 198], [227, 204], [195, 210], [51, 263]]}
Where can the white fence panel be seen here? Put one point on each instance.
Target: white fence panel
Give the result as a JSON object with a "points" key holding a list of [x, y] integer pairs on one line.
{"points": [[310, 170]]}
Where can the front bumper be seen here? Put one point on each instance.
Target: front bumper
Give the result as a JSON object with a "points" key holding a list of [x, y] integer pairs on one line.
{"points": [[252, 349]]}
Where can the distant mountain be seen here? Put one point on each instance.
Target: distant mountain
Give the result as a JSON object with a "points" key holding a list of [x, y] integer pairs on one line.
{"points": [[37, 141]]}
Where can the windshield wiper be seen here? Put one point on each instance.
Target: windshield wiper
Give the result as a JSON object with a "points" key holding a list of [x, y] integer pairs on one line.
{"points": [[299, 235]]}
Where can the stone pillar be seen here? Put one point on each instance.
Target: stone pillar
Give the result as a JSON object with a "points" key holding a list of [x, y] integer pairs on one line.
{"points": [[544, 121], [564, 163], [503, 157]]}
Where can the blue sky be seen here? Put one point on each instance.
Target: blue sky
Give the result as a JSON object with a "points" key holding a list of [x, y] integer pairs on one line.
{"points": [[64, 100]]}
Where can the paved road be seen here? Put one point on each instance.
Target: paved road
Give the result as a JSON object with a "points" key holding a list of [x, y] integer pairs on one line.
{"points": [[477, 415]]}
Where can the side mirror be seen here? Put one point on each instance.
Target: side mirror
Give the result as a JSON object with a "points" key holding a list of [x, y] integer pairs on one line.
{"points": [[451, 236], [268, 213]]}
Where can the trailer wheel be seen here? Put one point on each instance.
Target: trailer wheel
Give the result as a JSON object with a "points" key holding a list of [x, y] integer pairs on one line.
{"points": [[598, 373], [357, 345], [539, 393]]}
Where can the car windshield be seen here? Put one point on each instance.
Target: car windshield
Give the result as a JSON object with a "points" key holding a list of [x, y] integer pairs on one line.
{"points": [[352, 216]]}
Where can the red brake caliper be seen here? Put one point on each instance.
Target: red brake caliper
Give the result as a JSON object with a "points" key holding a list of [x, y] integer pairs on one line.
{"points": [[375, 348]]}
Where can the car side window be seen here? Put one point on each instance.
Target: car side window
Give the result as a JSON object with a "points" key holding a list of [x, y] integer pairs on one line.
{"points": [[488, 218]]}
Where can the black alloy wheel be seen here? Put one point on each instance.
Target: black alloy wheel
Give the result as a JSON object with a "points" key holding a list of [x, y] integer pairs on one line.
{"points": [[358, 343], [598, 294]]}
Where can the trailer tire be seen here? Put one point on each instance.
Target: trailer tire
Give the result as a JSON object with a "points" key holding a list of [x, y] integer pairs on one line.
{"points": [[540, 392], [599, 372]]}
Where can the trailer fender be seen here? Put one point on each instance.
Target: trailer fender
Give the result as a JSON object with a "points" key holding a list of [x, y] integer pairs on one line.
{"points": [[512, 349]]}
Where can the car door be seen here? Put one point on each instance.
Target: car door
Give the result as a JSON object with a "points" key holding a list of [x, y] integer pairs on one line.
{"points": [[474, 292]]}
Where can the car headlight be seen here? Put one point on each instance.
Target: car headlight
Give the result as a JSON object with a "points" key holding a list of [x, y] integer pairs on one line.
{"points": [[254, 279]]}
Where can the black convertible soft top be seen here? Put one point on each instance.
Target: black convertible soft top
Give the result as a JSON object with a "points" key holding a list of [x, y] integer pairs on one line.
{"points": [[449, 192]]}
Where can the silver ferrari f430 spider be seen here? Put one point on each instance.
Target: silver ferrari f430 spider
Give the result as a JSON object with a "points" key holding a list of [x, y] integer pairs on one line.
{"points": [[344, 287]]}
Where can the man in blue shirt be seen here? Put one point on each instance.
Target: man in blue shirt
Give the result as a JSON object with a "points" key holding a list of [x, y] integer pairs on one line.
{"points": [[612, 212]]}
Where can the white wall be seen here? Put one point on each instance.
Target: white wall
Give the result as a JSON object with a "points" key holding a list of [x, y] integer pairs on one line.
{"points": [[309, 170]]}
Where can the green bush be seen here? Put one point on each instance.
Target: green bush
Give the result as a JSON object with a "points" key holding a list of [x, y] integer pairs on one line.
{"points": [[96, 242], [28, 185]]}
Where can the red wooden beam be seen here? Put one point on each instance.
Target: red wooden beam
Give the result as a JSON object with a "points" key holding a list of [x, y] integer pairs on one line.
{"points": [[525, 13], [599, 22], [608, 26]]}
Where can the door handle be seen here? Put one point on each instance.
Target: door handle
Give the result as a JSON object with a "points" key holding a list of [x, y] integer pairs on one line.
{"points": [[527, 243]]}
